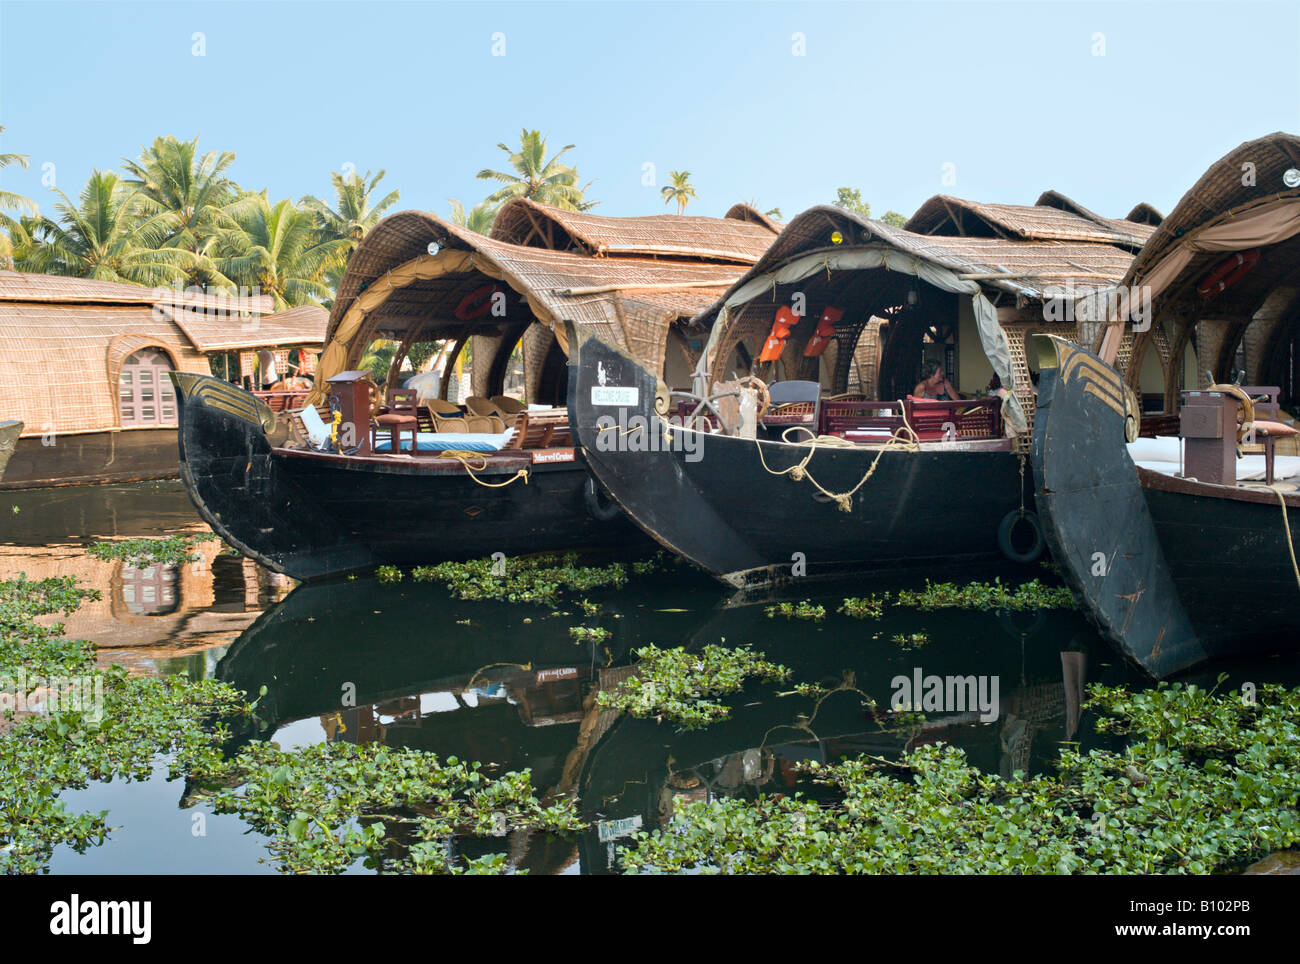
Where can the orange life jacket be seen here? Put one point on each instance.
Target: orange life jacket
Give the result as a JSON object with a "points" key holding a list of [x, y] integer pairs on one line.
{"points": [[775, 344], [825, 331]]}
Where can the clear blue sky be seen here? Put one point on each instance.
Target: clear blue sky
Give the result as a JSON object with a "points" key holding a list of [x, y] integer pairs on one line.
{"points": [[886, 94]]}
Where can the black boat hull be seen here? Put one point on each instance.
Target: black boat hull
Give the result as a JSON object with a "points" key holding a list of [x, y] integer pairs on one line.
{"points": [[1172, 572], [717, 501], [312, 516]]}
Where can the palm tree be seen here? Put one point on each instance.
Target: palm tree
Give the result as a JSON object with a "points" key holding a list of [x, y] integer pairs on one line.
{"points": [[479, 219], [680, 190], [350, 220], [354, 215], [8, 200], [171, 176], [537, 178], [11, 202], [277, 249], [107, 236]]}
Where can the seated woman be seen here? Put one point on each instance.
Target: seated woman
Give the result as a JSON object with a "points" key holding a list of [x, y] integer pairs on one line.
{"points": [[934, 384]]}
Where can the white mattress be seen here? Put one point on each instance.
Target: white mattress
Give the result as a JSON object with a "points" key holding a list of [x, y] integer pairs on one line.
{"points": [[1249, 469]]}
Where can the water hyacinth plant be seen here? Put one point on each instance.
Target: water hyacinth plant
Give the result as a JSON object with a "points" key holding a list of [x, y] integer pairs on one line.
{"points": [[532, 579], [679, 686], [1204, 785], [978, 595]]}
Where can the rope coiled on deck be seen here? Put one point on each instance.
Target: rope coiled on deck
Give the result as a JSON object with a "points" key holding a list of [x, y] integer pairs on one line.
{"points": [[905, 438], [465, 457]]}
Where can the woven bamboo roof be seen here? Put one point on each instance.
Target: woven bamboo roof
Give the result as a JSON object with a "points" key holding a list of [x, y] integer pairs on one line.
{"points": [[627, 299], [1053, 218], [212, 332], [1021, 267], [1144, 213], [57, 289], [741, 239], [1220, 193], [747, 212], [63, 341]]}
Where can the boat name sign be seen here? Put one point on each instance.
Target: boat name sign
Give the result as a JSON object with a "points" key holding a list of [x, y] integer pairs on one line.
{"points": [[615, 395]]}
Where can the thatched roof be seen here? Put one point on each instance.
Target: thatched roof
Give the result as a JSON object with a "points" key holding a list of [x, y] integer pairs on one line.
{"points": [[212, 332], [740, 240], [1054, 217], [629, 301], [57, 289], [1232, 198], [747, 212], [63, 342], [1021, 267], [1144, 213], [1220, 194]]}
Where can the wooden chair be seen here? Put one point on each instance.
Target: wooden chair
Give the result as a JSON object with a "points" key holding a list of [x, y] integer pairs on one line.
{"points": [[541, 430], [298, 435], [401, 416]]}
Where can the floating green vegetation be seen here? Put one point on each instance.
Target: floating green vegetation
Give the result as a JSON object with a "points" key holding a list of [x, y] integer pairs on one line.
{"points": [[589, 634], [590, 609], [388, 574], [164, 551], [326, 806], [911, 640], [116, 732], [865, 607], [531, 579], [1205, 784], [677, 685], [39, 648], [323, 806], [805, 609], [980, 595]]}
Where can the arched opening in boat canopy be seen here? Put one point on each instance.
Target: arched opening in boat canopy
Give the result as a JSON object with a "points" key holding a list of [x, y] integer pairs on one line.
{"points": [[965, 301], [1239, 224], [417, 279]]}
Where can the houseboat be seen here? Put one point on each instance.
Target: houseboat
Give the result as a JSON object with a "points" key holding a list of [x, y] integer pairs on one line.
{"points": [[862, 398], [405, 475], [86, 367], [1183, 547]]}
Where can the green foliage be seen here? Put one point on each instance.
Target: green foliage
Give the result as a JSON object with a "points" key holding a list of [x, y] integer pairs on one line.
{"points": [[44, 755], [533, 175], [38, 647], [911, 640], [979, 595], [165, 551], [804, 609], [533, 579], [592, 634], [1204, 785], [677, 685], [865, 607], [326, 806], [388, 574]]}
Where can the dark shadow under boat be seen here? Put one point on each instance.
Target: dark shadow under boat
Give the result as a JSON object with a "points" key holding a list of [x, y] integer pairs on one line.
{"points": [[314, 514]]}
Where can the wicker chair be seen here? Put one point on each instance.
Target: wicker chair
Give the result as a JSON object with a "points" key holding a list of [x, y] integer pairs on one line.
{"points": [[447, 417], [508, 405]]}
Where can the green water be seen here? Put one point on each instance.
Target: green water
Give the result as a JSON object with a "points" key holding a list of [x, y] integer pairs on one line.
{"points": [[405, 664]]}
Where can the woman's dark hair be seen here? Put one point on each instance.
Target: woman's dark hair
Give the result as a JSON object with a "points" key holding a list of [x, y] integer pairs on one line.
{"points": [[929, 368]]}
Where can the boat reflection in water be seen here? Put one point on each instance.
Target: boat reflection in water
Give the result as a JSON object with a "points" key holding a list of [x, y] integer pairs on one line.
{"points": [[406, 666]]}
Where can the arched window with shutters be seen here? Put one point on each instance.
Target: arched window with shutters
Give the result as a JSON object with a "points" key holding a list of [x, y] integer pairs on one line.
{"points": [[145, 394]]}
